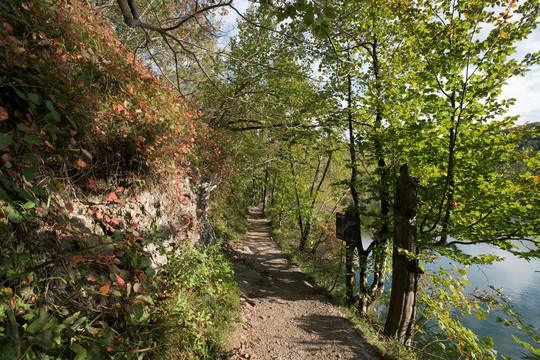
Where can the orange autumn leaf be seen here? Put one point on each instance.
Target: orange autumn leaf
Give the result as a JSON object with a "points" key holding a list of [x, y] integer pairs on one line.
{"points": [[3, 114], [77, 259], [104, 289]]}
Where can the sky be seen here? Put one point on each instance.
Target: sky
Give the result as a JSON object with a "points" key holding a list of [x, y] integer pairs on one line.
{"points": [[526, 90]]}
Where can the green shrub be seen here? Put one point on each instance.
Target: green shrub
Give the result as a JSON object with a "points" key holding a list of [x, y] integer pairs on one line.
{"points": [[201, 304]]}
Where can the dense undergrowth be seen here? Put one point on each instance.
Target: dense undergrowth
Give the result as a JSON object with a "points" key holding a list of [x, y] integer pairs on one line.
{"points": [[84, 129]]}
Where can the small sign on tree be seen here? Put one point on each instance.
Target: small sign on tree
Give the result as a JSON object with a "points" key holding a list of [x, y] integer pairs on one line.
{"points": [[347, 227]]}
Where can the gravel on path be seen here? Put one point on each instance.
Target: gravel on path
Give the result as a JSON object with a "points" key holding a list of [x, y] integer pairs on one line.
{"points": [[283, 316]]}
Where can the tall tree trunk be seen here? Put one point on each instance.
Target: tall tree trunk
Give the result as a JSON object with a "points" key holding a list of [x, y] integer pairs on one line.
{"points": [[272, 192], [282, 203], [303, 238], [265, 189], [315, 192], [349, 271], [405, 270], [382, 236], [379, 248], [356, 201], [253, 191]]}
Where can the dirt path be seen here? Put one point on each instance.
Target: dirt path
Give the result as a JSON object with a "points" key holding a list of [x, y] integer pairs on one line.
{"points": [[284, 317]]}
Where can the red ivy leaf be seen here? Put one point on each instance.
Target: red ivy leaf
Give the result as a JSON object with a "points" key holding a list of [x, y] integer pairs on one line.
{"points": [[81, 163], [69, 207], [112, 197]]}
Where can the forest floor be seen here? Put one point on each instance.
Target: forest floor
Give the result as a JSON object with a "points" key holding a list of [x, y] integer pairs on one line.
{"points": [[283, 316]]}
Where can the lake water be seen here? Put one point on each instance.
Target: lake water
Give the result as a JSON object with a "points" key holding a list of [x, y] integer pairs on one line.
{"points": [[519, 280]]}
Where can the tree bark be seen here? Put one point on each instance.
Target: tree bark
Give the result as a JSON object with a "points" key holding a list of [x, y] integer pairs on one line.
{"points": [[349, 276], [349, 272], [265, 189], [405, 270], [303, 236]]}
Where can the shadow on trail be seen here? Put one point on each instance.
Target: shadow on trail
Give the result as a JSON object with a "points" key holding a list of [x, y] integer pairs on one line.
{"points": [[279, 279], [329, 329], [265, 276]]}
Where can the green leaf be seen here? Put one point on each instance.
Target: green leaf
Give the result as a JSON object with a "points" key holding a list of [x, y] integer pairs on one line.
{"points": [[38, 190], [481, 316], [31, 158], [80, 352], [138, 309], [290, 11], [52, 118], [309, 17], [487, 340], [39, 323], [71, 121], [330, 13], [78, 323], [57, 185], [49, 105], [145, 262], [150, 271], [71, 319], [21, 94], [83, 80], [5, 139], [29, 205], [29, 173], [45, 340], [527, 345], [14, 218], [33, 140], [35, 98]]}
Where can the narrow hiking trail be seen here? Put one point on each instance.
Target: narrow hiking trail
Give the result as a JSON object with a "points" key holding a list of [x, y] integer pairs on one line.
{"points": [[283, 316]]}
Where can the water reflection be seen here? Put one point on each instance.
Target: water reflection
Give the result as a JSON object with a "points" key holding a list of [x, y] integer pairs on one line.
{"points": [[519, 279]]}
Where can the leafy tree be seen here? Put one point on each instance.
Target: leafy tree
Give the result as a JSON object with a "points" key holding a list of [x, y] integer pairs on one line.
{"points": [[468, 192]]}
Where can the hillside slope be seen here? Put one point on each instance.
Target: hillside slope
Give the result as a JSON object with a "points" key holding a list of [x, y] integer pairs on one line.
{"points": [[104, 185]]}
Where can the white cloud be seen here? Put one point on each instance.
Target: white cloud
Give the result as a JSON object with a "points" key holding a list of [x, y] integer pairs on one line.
{"points": [[526, 90]]}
